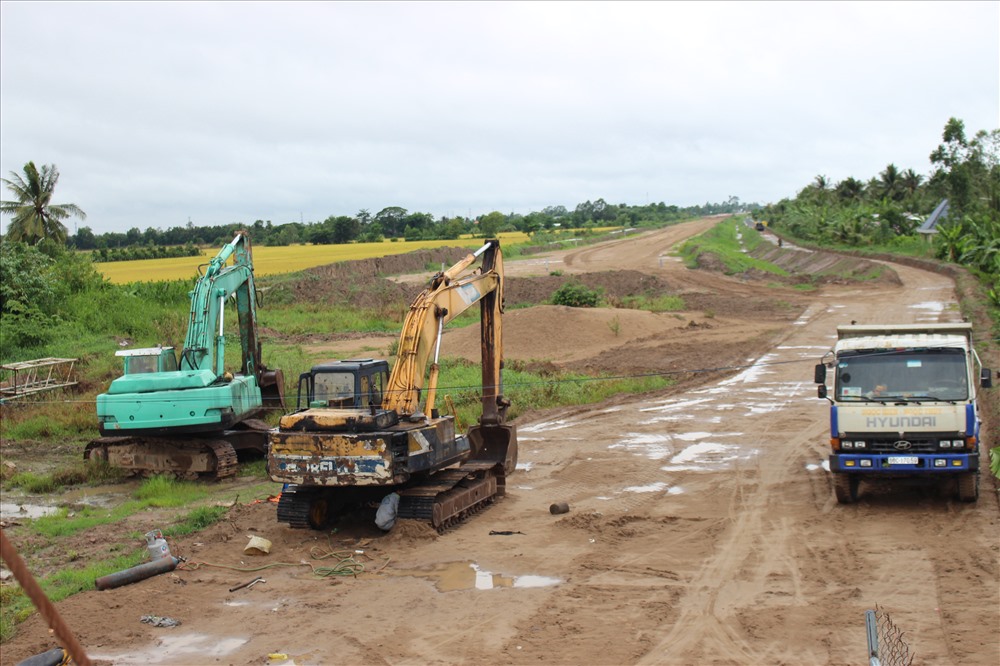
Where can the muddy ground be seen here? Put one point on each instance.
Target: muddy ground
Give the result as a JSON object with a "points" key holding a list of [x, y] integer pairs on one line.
{"points": [[702, 526]]}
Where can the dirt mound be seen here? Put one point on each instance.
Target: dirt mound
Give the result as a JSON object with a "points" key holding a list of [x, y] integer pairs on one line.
{"points": [[616, 341], [362, 283], [559, 333], [613, 286]]}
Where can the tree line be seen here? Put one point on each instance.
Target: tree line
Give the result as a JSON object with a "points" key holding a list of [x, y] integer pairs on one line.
{"points": [[396, 222], [887, 209]]}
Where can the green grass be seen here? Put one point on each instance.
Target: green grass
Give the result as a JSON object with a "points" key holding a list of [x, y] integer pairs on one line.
{"points": [[722, 242], [162, 491], [306, 318], [158, 491], [254, 468], [462, 381], [654, 303], [196, 520], [15, 606], [56, 416], [92, 473]]}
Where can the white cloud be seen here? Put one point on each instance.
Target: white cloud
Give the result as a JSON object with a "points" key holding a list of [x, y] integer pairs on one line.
{"points": [[228, 112]]}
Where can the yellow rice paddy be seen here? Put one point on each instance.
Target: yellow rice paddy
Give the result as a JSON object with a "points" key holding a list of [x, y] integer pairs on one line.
{"points": [[276, 260]]}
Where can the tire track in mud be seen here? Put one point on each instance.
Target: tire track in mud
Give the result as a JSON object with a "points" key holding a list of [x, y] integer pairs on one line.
{"points": [[636, 550]]}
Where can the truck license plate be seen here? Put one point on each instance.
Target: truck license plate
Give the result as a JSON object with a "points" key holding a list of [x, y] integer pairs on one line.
{"points": [[903, 460]]}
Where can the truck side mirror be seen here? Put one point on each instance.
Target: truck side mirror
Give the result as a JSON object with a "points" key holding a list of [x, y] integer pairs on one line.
{"points": [[986, 378], [820, 374], [821, 391]]}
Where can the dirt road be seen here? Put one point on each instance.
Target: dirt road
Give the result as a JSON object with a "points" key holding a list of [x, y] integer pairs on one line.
{"points": [[702, 526]]}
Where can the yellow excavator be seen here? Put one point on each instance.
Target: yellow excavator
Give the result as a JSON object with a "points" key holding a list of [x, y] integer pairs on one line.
{"points": [[359, 432]]}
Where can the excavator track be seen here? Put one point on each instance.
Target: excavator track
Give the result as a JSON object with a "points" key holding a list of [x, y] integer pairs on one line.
{"points": [[209, 459], [452, 495], [293, 507]]}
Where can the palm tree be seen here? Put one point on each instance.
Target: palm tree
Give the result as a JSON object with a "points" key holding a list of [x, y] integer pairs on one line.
{"points": [[850, 188], [890, 181], [34, 215], [911, 181]]}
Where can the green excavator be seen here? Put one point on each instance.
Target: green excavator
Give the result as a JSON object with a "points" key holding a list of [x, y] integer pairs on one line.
{"points": [[187, 415]]}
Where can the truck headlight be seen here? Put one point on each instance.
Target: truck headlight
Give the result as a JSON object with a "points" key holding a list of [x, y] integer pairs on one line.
{"points": [[940, 462], [859, 444], [846, 444], [866, 463], [945, 443]]}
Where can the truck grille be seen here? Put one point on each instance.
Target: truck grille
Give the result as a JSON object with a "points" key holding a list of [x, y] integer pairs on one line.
{"points": [[907, 443]]}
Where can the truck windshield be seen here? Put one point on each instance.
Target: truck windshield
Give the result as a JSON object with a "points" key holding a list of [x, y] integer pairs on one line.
{"points": [[912, 374]]}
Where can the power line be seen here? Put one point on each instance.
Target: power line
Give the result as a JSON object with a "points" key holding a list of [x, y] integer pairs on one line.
{"points": [[543, 382]]}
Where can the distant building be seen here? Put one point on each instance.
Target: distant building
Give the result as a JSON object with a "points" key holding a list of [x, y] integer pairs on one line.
{"points": [[939, 215]]}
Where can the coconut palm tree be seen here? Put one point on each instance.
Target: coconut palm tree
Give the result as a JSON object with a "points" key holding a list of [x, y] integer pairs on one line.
{"points": [[890, 182], [910, 181], [34, 216], [850, 189]]}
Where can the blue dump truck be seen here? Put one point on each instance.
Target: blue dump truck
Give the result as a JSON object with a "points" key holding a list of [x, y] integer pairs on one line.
{"points": [[903, 406]]}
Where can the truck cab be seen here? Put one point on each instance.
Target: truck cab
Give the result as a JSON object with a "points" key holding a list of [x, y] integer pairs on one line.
{"points": [[904, 405]]}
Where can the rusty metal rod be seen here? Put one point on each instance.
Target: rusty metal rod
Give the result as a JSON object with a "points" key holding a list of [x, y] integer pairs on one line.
{"points": [[258, 579], [42, 603]]}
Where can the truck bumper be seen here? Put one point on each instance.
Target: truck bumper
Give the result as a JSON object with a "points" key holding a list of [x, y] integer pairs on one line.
{"points": [[919, 463]]}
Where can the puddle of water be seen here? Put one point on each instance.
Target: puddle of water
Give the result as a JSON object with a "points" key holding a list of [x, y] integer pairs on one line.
{"points": [[454, 576], [706, 457], [102, 496], [546, 426], [200, 647], [676, 490], [535, 581], [13, 511], [750, 375], [525, 467], [650, 488], [675, 405], [655, 447], [24, 506], [670, 418], [931, 306], [692, 436]]}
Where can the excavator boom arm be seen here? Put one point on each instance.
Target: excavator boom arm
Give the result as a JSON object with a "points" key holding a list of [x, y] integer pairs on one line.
{"points": [[204, 343], [449, 294]]}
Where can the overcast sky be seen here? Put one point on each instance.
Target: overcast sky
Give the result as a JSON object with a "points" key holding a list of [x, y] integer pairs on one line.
{"points": [[160, 113]]}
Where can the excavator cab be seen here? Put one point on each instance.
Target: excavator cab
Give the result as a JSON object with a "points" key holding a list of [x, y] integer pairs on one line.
{"points": [[349, 384], [148, 359]]}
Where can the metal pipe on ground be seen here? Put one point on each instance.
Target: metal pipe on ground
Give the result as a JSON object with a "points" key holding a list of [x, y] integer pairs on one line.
{"points": [[137, 573]]}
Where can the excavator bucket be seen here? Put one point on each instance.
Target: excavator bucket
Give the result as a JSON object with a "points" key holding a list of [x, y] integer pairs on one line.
{"points": [[496, 443], [272, 389]]}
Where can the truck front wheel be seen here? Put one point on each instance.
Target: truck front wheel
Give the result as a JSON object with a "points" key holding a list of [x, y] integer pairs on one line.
{"points": [[845, 487], [968, 487]]}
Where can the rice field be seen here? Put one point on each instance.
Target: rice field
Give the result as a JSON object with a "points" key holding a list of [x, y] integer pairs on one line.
{"points": [[276, 260]]}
